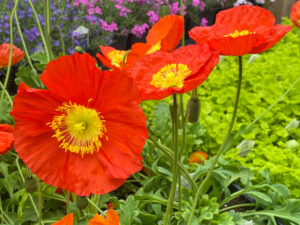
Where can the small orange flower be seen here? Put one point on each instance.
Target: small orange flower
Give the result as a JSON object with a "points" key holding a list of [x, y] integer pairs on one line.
{"points": [[111, 57], [77, 134], [241, 30], [67, 220], [6, 138], [163, 36], [295, 14], [17, 55], [164, 73], [198, 157], [112, 218]]}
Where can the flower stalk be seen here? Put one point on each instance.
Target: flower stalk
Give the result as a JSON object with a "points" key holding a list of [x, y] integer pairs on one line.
{"points": [[214, 162]]}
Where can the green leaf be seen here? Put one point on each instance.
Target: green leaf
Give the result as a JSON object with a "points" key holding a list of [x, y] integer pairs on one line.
{"points": [[260, 197]]}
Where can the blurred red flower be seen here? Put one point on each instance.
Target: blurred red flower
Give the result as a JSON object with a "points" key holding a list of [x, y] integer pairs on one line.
{"points": [[198, 157], [6, 138], [77, 134], [165, 35], [164, 73], [112, 218], [295, 14], [67, 220], [241, 30], [17, 55], [111, 57]]}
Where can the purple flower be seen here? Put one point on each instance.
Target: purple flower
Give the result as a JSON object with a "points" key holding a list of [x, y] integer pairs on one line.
{"points": [[139, 30], [109, 27], [204, 22], [153, 17]]}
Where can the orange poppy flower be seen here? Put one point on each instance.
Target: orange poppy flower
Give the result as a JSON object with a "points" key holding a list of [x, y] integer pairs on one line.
{"points": [[198, 157], [295, 14], [241, 30], [77, 134], [111, 57], [112, 218], [67, 220], [162, 73], [6, 138], [163, 36], [17, 55]]}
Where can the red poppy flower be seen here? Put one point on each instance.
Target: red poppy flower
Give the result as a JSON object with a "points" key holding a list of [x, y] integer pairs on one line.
{"points": [[67, 220], [295, 14], [198, 157], [78, 134], [164, 36], [241, 30], [6, 138], [17, 55], [162, 73], [112, 218], [111, 57]]}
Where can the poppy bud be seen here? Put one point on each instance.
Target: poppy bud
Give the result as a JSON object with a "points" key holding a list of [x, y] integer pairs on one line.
{"points": [[81, 202], [193, 109], [30, 184], [164, 11], [78, 49], [110, 205], [55, 33]]}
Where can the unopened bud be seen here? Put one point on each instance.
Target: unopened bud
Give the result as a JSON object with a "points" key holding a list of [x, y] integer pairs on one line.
{"points": [[55, 33], [81, 202], [30, 184], [78, 49], [193, 109]]}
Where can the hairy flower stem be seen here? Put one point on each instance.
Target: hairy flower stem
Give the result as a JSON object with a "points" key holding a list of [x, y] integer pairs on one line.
{"points": [[208, 175], [40, 30], [68, 202], [175, 164], [48, 27], [40, 200], [10, 51], [24, 44]]}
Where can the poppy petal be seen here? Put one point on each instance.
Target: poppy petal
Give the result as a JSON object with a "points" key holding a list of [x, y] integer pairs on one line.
{"points": [[67, 220], [6, 138]]}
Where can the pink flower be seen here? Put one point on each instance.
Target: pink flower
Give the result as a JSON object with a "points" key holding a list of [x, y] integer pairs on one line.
{"points": [[153, 17], [139, 30]]}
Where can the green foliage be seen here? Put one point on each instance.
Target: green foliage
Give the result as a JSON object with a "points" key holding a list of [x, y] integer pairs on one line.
{"points": [[266, 77]]}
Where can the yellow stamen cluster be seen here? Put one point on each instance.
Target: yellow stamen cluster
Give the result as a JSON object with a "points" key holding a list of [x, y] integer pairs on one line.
{"points": [[116, 57], [78, 129], [154, 48], [237, 33], [171, 75]]}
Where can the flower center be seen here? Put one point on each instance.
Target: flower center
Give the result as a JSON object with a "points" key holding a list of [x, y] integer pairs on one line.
{"points": [[78, 129], [154, 48], [171, 75], [237, 33], [116, 57]]}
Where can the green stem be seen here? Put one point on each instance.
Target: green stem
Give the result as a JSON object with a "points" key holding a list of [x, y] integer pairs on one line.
{"points": [[6, 218], [238, 206], [232, 196], [206, 179], [96, 207], [168, 152], [10, 50], [23, 180], [24, 44], [175, 164], [40, 30], [68, 202], [62, 41], [275, 103], [48, 26], [40, 200], [181, 13], [7, 94]]}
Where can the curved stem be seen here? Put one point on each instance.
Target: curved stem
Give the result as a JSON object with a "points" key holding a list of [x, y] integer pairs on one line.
{"points": [[40, 200], [40, 30], [206, 179], [62, 41], [7, 94], [24, 44], [175, 164], [96, 207], [237, 206], [10, 50]]}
